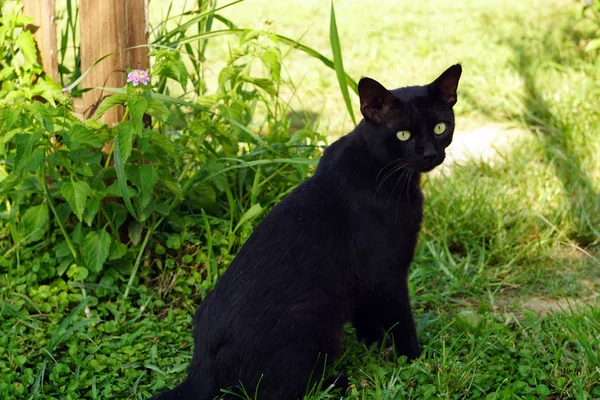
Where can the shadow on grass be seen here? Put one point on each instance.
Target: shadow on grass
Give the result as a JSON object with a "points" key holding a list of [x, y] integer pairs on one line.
{"points": [[301, 119], [557, 138]]}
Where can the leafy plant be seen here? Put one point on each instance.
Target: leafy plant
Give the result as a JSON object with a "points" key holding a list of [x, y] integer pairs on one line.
{"points": [[97, 195], [591, 13], [18, 56]]}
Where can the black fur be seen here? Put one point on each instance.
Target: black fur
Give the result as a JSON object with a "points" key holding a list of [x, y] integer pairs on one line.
{"points": [[337, 249]]}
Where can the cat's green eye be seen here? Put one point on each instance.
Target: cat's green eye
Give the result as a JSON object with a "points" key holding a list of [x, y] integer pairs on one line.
{"points": [[403, 135], [439, 128]]}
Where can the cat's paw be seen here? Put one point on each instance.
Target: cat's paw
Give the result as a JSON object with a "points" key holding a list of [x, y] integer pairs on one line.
{"points": [[369, 335], [414, 354], [411, 352]]}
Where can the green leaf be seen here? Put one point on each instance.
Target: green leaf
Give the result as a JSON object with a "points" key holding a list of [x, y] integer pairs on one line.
{"points": [[144, 176], [542, 390], [468, 321], [122, 148], [265, 84], [235, 112], [62, 249], [21, 19], [117, 250], [250, 214], [157, 109], [162, 208], [110, 102], [79, 135], [336, 48], [272, 60], [174, 242], [592, 45], [171, 66], [172, 184], [34, 160], [162, 141], [76, 194], [20, 360], [35, 221], [26, 44], [217, 175], [76, 233], [302, 134], [77, 273], [25, 146], [93, 206], [179, 65], [137, 107], [61, 333], [96, 248], [43, 113], [250, 35], [124, 139], [114, 190], [84, 169], [8, 116], [206, 192], [227, 74], [165, 69], [207, 101], [135, 232]]}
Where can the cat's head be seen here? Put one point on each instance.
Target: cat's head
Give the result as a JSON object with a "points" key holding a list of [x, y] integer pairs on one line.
{"points": [[411, 125]]}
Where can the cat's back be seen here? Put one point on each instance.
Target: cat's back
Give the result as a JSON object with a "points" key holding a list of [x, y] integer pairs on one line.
{"points": [[296, 247]]}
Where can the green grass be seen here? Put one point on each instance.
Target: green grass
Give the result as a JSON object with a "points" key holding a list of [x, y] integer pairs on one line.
{"points": [[507, 274]]}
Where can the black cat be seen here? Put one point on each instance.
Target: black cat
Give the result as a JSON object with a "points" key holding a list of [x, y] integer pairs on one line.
{"points": [[337, 249]]}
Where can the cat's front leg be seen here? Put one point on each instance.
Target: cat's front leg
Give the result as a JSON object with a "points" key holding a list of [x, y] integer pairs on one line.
{"points": [[388, 312], [397, 319], [368, 325]]}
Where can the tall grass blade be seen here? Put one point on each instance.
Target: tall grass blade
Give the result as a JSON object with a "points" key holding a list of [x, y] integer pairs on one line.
{"points": [[279, 38], [58, 336], [122, 178], [182, 28], [39, 379], [338, 63]]}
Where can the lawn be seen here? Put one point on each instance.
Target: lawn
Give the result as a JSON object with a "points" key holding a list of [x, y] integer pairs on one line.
{"points": [[506, 278]]}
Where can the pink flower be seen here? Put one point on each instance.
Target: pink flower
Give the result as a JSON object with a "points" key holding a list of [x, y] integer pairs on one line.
{"points": [[138, 76]]}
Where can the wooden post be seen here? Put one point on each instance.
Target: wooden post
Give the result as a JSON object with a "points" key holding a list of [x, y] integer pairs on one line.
{"points": [[137, 34], [111, 26], [44, 30]]}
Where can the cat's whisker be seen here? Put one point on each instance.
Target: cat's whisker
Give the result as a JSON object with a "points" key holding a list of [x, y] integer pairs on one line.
{"points": [[412, 171], [399, 181], [387, 165], [403, 180], [391, 195], [401, 163], [405, 184], [388, 174]]}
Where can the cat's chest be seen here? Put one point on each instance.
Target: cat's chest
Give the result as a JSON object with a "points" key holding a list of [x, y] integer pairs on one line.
{"points": [[388, 230]]}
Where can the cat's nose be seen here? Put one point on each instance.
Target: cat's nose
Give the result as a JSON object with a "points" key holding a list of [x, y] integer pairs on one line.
{"points": [[429, 153]]}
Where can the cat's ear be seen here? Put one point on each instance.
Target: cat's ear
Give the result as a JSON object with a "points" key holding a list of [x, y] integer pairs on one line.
{"points": [[375, 100], [447, 83]]}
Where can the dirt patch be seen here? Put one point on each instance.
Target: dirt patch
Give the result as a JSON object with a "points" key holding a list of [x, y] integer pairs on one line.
{"points": [[543, 306], [485, 141]]}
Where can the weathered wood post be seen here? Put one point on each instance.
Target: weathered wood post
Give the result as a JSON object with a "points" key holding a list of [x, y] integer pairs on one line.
{"points": [[44, 31], [111, 26]]}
